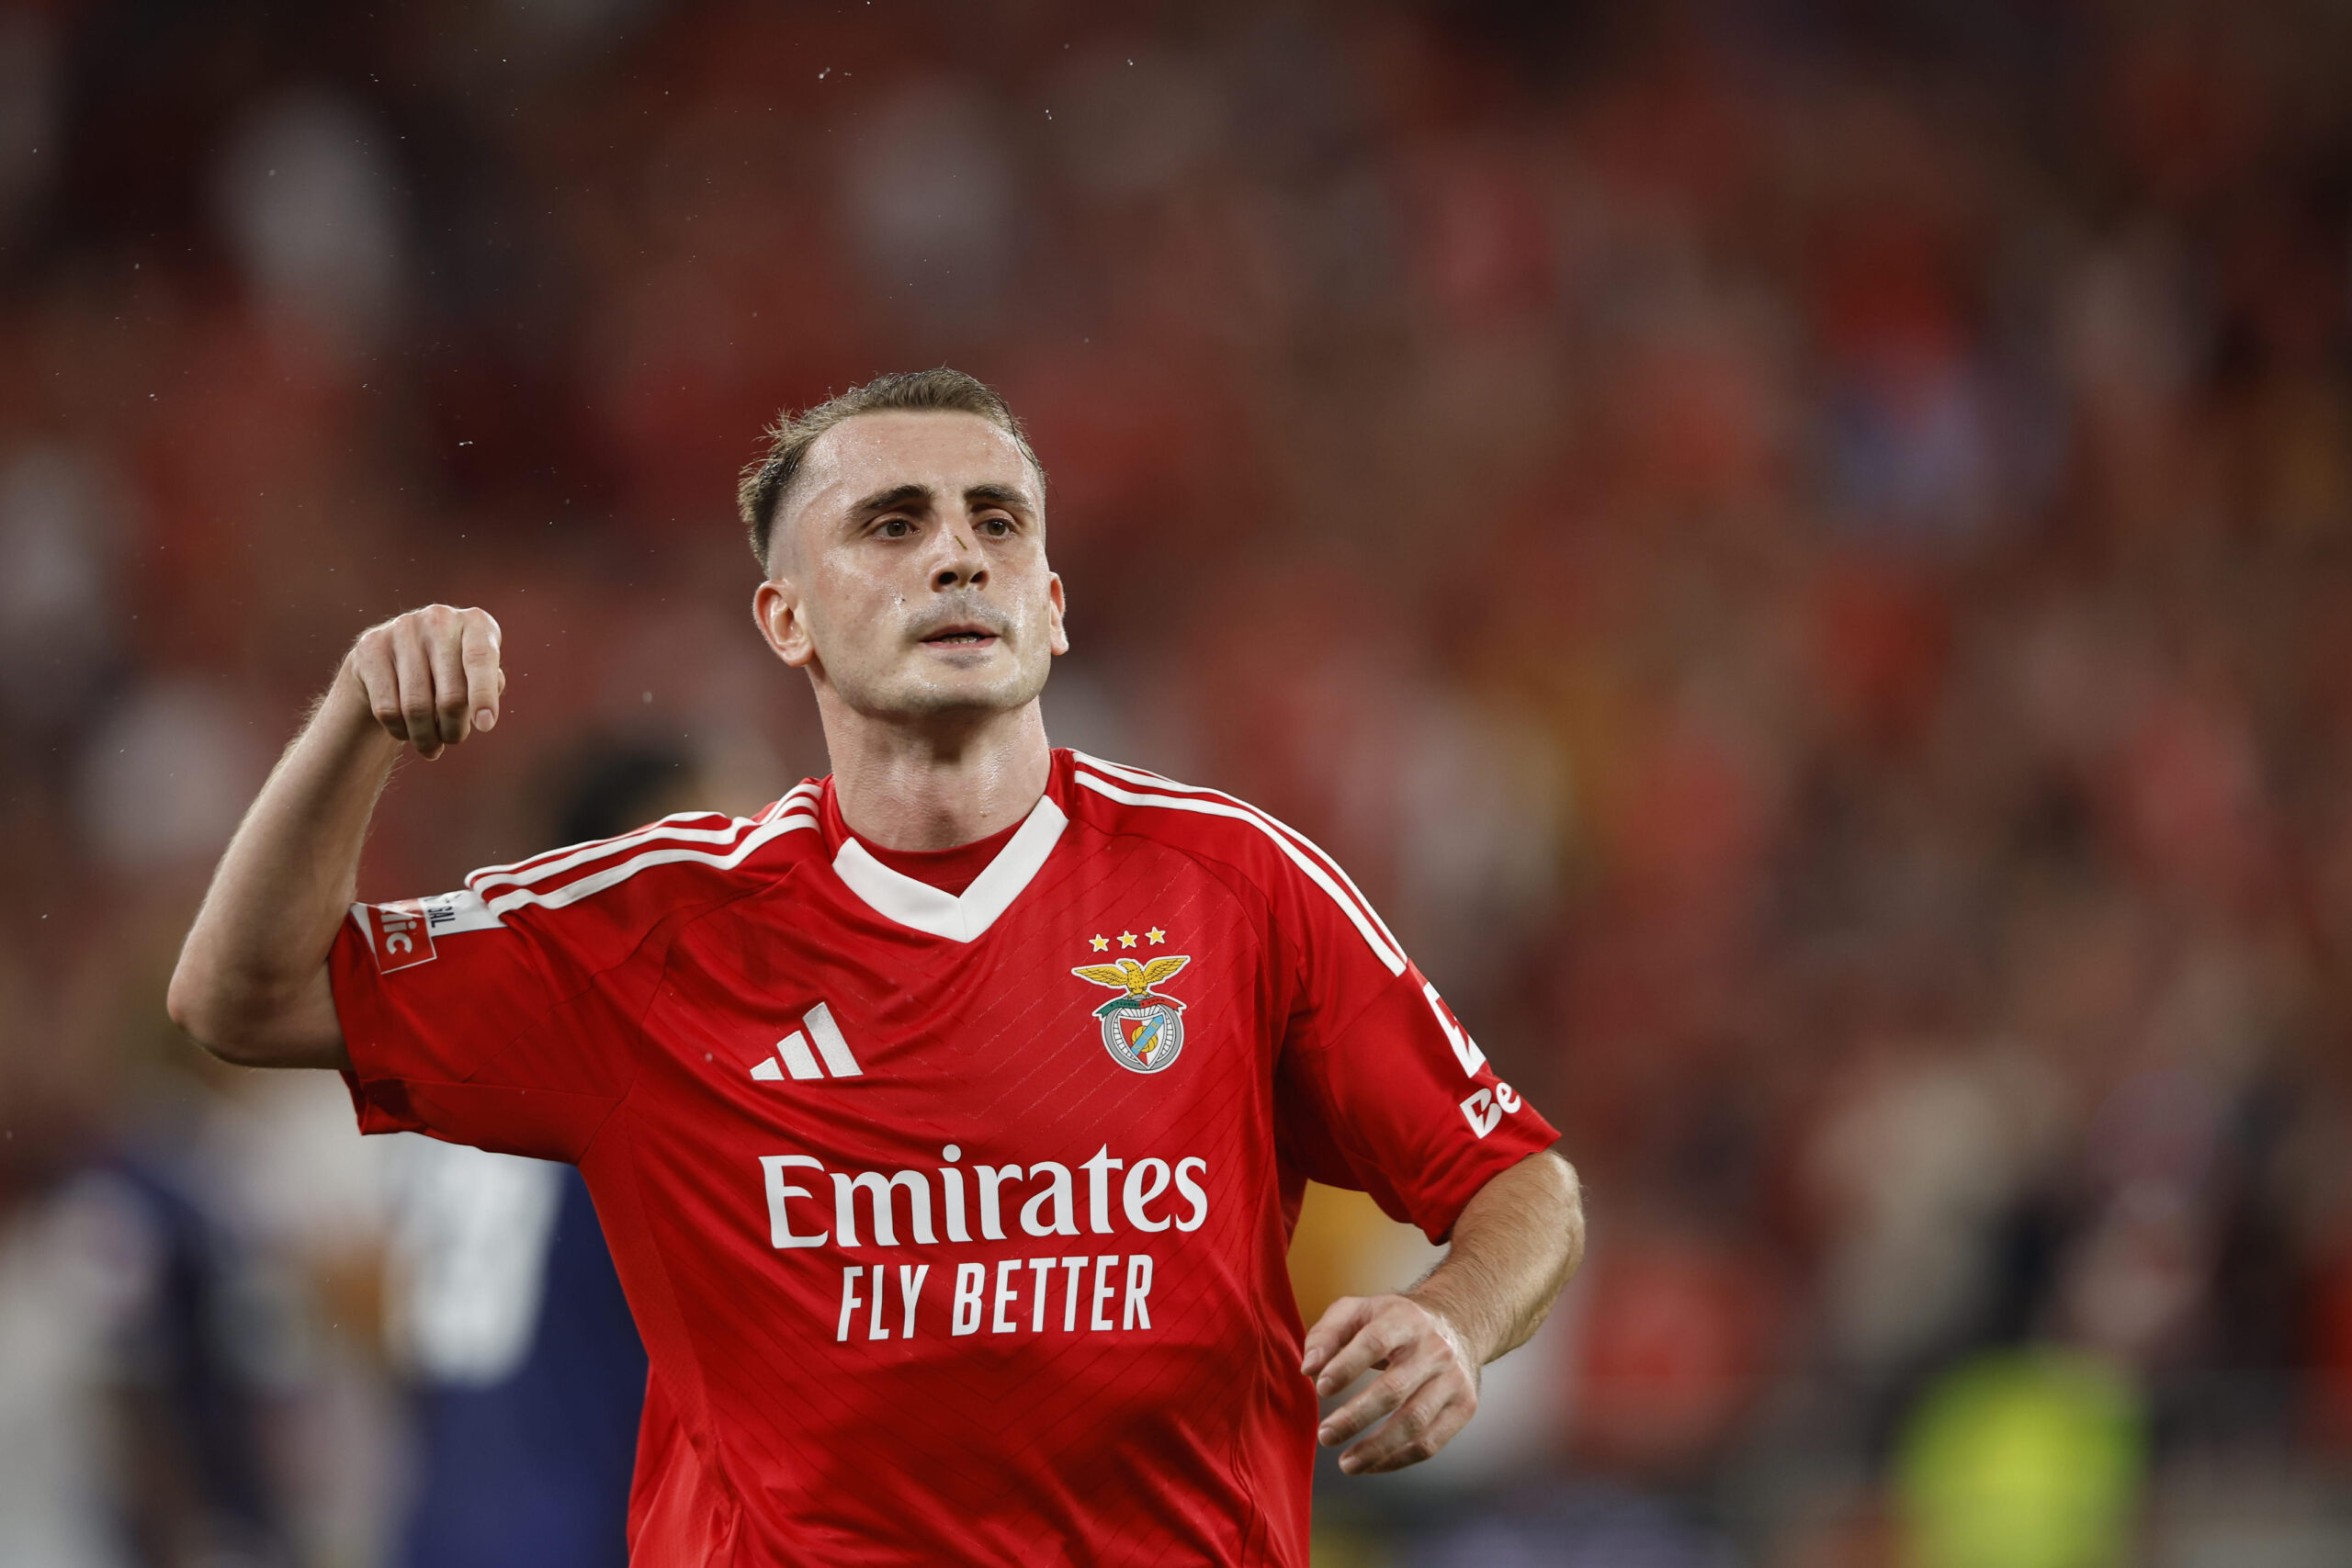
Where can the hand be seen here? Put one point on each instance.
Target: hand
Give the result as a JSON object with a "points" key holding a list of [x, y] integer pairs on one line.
{"points": [[429, 677], [1428, 1386]]}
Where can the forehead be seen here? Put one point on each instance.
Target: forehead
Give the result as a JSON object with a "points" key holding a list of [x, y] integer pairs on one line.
{"points": [[948, 452]]}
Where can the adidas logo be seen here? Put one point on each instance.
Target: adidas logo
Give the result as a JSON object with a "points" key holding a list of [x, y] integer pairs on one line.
{"points": [[797, 1058]]}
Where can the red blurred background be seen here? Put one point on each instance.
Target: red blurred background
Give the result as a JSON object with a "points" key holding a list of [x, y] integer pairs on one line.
{"points": [[1799, 549]]}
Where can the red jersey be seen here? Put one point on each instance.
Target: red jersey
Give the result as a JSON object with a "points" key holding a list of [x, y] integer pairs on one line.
{"points": [[955, 1225]]}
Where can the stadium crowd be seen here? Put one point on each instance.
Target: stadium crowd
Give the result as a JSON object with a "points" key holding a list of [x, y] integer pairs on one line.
{"points": [[1803, 553]]}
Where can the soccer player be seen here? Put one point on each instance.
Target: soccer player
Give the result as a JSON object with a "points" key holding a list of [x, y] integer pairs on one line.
{"points": [[948, 1119]]}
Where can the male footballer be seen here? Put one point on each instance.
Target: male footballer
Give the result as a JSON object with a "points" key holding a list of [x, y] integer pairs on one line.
{"points": [[949, 1118]]}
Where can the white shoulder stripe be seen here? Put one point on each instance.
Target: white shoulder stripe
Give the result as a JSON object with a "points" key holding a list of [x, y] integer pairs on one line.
{"points": [[604, 847], [620, 841], [596, 882], [1157, 781], [1376, 936], [806, 793], [559, 861]]}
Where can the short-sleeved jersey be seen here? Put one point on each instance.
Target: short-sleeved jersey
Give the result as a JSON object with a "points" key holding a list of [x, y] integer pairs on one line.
{"points": [[954, 1225]]}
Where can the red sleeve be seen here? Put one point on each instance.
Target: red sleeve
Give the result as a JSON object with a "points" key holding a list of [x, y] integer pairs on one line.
{"points": [[512, 1032], [1380, 1088]]}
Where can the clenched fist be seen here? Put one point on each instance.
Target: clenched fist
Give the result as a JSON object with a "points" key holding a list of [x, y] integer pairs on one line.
{"points": [[429, 677]]}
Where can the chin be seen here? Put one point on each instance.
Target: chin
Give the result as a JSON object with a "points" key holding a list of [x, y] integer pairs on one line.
{"points": [[978, 693]]}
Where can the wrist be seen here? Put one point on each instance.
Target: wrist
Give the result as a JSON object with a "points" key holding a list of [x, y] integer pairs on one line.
{"points": [[343, 725], [1457, 1326]]}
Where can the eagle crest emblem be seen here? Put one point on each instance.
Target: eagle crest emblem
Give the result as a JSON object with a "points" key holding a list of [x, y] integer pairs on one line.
{"points": [[1142, 1028]]}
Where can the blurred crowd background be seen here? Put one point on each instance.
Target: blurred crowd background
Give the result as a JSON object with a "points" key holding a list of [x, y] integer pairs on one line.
{"points": [[1801, 549]]}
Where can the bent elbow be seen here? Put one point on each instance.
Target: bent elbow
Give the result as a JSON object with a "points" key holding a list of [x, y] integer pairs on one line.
{"points": [[255, 1021], [185, 1002], [195, 1005]]}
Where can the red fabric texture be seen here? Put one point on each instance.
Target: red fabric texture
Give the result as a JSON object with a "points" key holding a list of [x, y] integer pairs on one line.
{"points": [[1102, 1367]]}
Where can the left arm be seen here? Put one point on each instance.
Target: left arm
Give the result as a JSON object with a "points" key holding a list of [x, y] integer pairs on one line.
{"points": [[1515, 1246]]}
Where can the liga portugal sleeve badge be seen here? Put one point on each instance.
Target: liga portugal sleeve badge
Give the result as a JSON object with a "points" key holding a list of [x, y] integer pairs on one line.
{"points": [[1143, 1028]]}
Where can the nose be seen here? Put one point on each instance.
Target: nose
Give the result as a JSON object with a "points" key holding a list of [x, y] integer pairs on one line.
{"points": [[962, 565]]}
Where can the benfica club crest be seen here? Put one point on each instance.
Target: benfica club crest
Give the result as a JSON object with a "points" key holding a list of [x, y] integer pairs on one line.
{"points": [[1142, 1029]]}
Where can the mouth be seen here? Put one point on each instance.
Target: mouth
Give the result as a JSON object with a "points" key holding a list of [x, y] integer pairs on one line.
{"points": [[960, 635]]}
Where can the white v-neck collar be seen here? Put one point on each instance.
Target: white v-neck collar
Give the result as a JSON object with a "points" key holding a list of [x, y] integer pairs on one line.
{"points": [[918, 906]]}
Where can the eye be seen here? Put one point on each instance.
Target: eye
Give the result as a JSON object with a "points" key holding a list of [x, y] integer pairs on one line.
{"points": [[894, 528], [996, 527]]}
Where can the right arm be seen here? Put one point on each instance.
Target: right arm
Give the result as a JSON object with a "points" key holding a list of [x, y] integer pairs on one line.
{"points": [[252, 981]]}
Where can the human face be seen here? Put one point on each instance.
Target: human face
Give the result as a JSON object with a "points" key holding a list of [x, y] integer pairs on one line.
{"points": [[909, 575]]}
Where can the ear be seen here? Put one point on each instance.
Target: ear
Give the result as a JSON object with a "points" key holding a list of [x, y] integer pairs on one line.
{"points": [[1056, 638], [776, 606]]}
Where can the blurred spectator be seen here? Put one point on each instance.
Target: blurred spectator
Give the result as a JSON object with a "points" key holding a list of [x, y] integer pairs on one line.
{"points": [[307, 200], [140, 1393]]}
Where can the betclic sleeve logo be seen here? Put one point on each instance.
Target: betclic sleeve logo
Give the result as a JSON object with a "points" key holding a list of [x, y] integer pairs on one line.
{"points": [[1143, 1028], [400, 935], [397, 934], [1485, 1109]]}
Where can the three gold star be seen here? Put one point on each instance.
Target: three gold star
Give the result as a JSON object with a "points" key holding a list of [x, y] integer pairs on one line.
{"points": [[1101, 943]]}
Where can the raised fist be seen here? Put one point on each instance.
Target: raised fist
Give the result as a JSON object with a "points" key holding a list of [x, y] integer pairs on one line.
{"points": [[430, 677]]}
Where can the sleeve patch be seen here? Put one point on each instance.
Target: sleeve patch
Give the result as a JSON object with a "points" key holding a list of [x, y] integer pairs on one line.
{"points": [[400, 935]]}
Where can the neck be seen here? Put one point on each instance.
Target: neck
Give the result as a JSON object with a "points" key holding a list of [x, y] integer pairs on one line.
{"points": [[936, 783]]}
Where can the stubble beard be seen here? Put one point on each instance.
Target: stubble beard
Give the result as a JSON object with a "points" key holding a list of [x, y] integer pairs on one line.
{"points": [[928, 699], [926, 696], [908, 691]]}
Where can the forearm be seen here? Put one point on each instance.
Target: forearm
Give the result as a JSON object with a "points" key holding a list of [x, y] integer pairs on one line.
{"points": [[1515, 1247], [1515, 1244], [251, 984]]}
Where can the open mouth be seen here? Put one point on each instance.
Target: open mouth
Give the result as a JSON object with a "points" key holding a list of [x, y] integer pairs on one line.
{"points": [[960, 636]]}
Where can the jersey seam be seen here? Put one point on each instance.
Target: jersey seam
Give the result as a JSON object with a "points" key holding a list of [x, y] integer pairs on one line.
{"points": [[1244, 1470], [715, 1462], [1298, 950], [677, 925], [1343, 1028], [1342, 1133]]}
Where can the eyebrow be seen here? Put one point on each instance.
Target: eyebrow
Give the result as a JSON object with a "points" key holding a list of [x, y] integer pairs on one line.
{"points": [[1011, 497], [895, 497]]}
